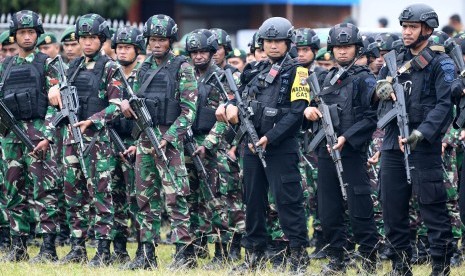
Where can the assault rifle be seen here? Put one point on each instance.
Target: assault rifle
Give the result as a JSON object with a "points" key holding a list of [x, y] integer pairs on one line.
{"points": [[69, 111], [246, 126], [399, 111], [327, 129], [120, 147], [455, 52]]}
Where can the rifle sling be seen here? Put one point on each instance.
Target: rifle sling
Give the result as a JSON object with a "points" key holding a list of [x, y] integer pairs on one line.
{"points": [[150, 77]]}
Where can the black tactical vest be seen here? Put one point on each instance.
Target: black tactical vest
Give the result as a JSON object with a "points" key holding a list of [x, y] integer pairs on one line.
{"points": [[87, 82], [160, 94], [23, 89]]}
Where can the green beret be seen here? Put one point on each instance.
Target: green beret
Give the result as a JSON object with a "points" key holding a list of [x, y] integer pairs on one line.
{"points": [[237, 53], [69, 34], [6, 39], [46, 38], [323, 54]]}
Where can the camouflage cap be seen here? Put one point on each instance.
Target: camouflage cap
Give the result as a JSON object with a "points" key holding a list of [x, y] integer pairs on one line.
{"points": [[26, 20], [69, 34], [161, 25], [6, 39], [128, 35], [237, 53], [46, 38], [323, 54], [92, 24]]}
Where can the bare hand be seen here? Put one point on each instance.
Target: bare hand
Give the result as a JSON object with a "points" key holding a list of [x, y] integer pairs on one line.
{"points": [[54, 96], [373, 160], [402, 142], [232, 114], [261, 143], [162, 145], [220, 114], [127, 110], [129, 152], [312, 114], [340, 143], [200, 151], [232, 153], [40, 150], [83, 125]]}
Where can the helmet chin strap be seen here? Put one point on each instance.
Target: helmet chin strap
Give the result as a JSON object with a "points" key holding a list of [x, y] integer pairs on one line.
{"points": [[419, 40]]}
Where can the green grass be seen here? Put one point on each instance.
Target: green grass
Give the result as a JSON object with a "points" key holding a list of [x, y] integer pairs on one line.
{"points": [[164, 253]]}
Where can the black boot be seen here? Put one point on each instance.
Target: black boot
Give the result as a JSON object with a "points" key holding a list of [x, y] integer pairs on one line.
{"points": [[456, 259], [201, 248], [277, 254], [18, 251], [235, 248], [320, 246], [184, 257], [144, 260], [48, 252], [401, 265], [102, 256], [63, 236], [5, 240], [220, 258], [120, 254], [78, 253], [254, 260], [299, 261], [441, 267], [336, 265]]}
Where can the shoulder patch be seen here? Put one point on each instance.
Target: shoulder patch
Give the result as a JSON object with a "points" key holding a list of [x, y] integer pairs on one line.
{"points": [[449, 70], [300, 88]]}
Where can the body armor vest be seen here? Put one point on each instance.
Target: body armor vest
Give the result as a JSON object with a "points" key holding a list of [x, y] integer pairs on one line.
{"points": [[87, 82], [23, 89], [160, 94]]}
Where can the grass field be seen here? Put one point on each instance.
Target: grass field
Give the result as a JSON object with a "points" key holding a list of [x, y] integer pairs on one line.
{"points": [[164, 253]]}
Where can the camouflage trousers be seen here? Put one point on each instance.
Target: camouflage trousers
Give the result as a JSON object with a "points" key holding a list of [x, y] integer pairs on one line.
{"points": [[230, 174], [80, 193], [57, 154], [373, 172], [4, 220], [151, 178], [28, 183]]}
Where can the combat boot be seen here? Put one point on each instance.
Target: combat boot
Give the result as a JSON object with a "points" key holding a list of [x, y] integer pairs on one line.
{"points": [[18, 251], [48, 252], [220, 257], [320, 246], [441, 266], [5, 240], [201, 248], [78, 253], [102, 256], [401, 266], [235, 248], [299, 261], [277, 254], [254, 260], [336, 265], [144, 260], [184, 258], [62, 238], [120, 254], [456, 259]]}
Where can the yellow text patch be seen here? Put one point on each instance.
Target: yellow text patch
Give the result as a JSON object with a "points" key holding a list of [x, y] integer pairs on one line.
{"points": [[300, 88]]}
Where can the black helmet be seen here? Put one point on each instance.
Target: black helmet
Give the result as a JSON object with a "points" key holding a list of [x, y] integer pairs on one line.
{"points": [[26, 20], [161, 25], [201, 39], [253, 44], [438, 37], [128, 35], [276, 28], [93, 24], [223, 39], [344, 34], [460, 39], [370, 48], [307, 37], [420, 13], [397, 44], [385, 41]]}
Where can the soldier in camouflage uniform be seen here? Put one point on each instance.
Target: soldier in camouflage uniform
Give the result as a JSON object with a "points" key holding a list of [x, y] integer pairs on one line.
{"points": [[71, 47], [169, 86], [23, 77], [127, 42], [9, 46], [99, 87]]}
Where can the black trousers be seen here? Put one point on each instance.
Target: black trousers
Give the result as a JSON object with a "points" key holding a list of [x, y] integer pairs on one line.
{"points": [[332, 207], [427, 184], [282, 178]]}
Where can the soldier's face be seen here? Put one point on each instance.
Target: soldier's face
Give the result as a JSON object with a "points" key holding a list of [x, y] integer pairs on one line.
{"points": [[89, 44], [237, 62], [126, 52], [411, 31], [326, 64], [200, 58], [260, 55], [50, 50], [159, 46], [344, 54], [376, 64], [10, 50], [305, 55], [26, 38], [219, 56], [72, 49], [274, 49]]}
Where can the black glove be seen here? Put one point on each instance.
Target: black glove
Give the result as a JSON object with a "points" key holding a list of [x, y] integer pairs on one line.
{"points": [[414, 138]]}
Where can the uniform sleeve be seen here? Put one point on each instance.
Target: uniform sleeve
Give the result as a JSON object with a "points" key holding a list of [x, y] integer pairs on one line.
{"points": [[444, 75], [188, 93], [113, 91], [51, 79], [361, 132]]}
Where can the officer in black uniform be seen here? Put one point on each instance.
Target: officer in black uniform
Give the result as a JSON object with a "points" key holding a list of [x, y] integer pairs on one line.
{"points": [[352, 94], [277, 87], [428, 95]]}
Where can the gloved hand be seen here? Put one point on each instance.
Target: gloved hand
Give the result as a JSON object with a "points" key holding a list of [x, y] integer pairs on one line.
{"points": [[384, 90], [414, 138]]}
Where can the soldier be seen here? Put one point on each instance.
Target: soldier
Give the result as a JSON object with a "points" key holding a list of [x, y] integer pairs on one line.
{"points": [[225, 46], [352, 95], [172, 116], [325, 59], [275, 95], [26, 76], [127, 42], [71, 47], [307, 43], [256, 49], [99, 89], [48, 44], [237, 58], [9, 46], [385, 41], [428, 105]]}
